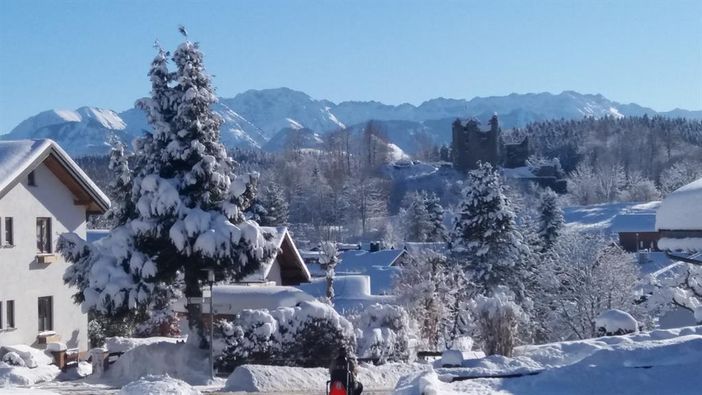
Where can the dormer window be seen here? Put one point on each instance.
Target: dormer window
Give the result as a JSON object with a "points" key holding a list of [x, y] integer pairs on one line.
{"points": [[30, 179]]}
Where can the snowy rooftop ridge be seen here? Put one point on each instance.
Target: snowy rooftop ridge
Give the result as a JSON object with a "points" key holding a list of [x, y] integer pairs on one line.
{"points": [[19, 157]]}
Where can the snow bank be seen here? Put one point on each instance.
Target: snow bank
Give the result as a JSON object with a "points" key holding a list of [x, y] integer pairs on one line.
{"points": [[25, 365], [158, 385], [680, 209], [124, 344], [22, 375], [184, 361], [656, 362], [263, 378], [492, 365], [423, 383], [616, 322], [31, 356], [452, 358]]}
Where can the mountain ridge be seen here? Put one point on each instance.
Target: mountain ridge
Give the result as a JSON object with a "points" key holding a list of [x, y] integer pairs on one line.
{"points": [[256, 118]]}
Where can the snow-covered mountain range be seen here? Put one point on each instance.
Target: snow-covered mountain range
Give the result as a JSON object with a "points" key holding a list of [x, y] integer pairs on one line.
{"points": [[264, 118]]}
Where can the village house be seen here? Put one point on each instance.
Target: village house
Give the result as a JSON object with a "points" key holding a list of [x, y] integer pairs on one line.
{"points": [[636, 231], [43, 193]]}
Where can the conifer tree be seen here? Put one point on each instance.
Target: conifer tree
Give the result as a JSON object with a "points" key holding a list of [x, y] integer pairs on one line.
{"points": [[120, 187], [485, 238], [416, 219], [550, 219], [270, 207], [437, 230], [188, 207]]}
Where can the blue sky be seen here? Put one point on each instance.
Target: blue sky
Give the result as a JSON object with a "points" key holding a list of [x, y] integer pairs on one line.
{"points": [[66, 54]]}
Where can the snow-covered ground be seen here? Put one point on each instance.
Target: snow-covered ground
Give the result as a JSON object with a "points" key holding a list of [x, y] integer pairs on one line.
{"points": [[600, 217], [656, 362]]}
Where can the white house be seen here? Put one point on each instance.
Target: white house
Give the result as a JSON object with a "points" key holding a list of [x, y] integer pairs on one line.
{"points": [[43, 193]]}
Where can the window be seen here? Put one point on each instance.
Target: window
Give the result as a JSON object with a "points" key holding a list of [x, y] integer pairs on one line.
{"points": [[9, 238], [10, 307], [30, 179], [46, 314], [44, 235], [0, 315]]}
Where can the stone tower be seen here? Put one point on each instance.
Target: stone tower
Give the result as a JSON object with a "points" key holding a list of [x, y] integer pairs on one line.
{"points": [[473, 143]]}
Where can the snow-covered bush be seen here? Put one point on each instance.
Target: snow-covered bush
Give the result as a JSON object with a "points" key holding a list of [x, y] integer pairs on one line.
{"points": [[601, 184], [308, 335], [383, 333], [639, 189], [12, 358], [498, 317], [247, 339], [160, 322], [615, 322]]}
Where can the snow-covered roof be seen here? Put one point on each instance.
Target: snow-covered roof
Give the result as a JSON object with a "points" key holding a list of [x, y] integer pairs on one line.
{"points": [[19, 157], [351, 292], [362, 259], [681, 209], [284, 245], [642, 222], [231, 299]]}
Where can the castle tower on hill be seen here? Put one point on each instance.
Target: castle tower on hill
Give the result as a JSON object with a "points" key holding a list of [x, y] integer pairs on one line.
{"points": [[473, 143]]}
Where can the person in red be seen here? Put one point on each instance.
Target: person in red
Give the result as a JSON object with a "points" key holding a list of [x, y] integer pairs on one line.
{"points": [[343, 375]]}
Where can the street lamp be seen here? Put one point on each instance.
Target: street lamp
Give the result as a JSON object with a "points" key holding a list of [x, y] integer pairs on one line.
{"points": [[210, 281]]}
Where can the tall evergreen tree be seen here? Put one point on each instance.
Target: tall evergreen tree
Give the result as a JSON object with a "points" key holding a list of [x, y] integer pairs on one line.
{"points": [[437, 230], [270, 207], [416, 220], [189, 206], [120, 187], [485, 237], [550, 219]]}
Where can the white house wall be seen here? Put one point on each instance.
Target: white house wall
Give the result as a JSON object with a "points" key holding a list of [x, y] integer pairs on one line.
{"points": [[22, 279]]}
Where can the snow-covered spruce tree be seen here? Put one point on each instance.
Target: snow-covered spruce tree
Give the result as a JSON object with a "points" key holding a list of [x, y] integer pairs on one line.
{"points": [[270, 207], [550, 219], [437, 231], [329, 258], [485, 239], [188, 207], [415, 218], [120, 187]]}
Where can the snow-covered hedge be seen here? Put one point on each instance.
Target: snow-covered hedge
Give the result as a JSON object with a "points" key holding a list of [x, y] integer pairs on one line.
{"points": [[615, 322], [307, 335], [382, 331]]}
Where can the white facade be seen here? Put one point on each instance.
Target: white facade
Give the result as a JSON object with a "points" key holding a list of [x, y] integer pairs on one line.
{"points": [[23, 279]]}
